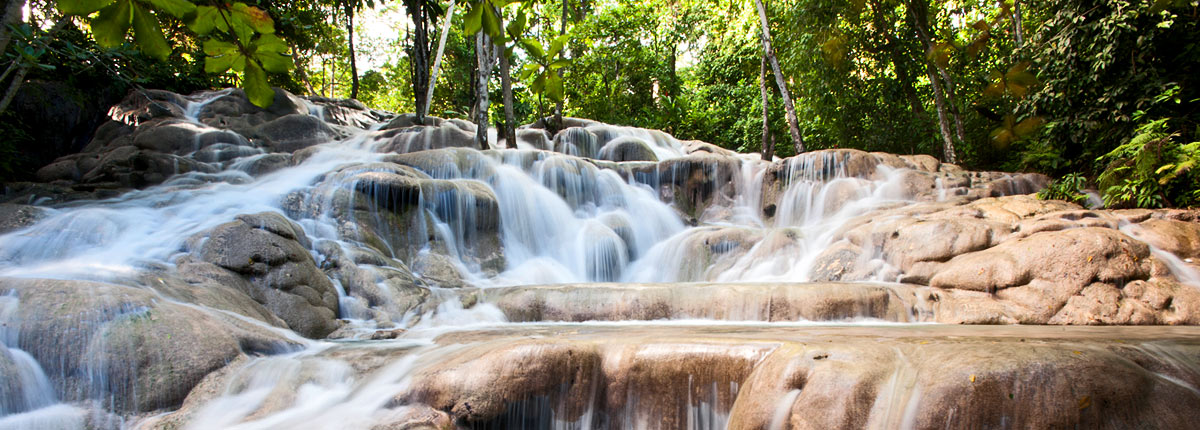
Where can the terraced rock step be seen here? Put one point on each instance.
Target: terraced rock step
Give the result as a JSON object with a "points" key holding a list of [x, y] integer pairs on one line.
{"points": [[736, 376]]}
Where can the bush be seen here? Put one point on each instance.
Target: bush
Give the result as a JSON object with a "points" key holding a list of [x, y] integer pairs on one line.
{"points": [[1066, 189], [1151, 170]]}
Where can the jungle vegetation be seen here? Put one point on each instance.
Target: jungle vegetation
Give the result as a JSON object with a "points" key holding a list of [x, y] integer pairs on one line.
{"points": [[1102, 93]]}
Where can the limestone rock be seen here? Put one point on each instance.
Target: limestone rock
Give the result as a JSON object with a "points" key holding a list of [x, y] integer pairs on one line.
{"points": [[272, 254], [126, 346]]}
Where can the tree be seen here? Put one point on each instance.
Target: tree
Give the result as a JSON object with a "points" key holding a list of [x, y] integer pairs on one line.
{"points": [[768, 143], [793, 128], [424, 14], [235, 36], [940, 80], [423, 108]]}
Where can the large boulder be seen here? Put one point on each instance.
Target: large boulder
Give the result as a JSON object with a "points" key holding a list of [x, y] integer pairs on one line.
{"points": [[272, 254], [293, 132], [126, 346], [627, 149]]}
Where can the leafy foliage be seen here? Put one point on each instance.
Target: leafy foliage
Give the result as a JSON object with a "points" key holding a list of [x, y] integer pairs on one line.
{"points": [[1066, 188], [238, 37], [1151, 170]]}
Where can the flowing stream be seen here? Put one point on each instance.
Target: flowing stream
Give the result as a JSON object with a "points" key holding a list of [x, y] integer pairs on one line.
{"points": [[561, 219]]}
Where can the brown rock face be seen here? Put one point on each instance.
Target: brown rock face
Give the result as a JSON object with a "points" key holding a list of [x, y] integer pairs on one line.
{"points": [[755, 377], [1031, 261]]}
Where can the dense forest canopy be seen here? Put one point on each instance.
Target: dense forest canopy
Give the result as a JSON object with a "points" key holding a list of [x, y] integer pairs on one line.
{"points": [[1102, 93]]}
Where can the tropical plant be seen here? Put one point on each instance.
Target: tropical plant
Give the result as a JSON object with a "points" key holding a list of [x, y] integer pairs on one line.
{"points": [[1068, 188], [235, 36], [1151, 170]]}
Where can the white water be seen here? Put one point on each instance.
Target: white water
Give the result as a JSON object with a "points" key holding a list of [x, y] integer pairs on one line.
{"points": [[561, 219]]}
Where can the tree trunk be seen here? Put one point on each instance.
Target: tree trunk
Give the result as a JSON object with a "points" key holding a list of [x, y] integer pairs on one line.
{"points": [[946, 100], [948, 154], [510, 121], [23, 69], [484, 66], [793, 126], [1018, 25], [420, 57], [350, 44], [15, 85], [423, 108], [11, 16], [768, 141], [558, 106]]}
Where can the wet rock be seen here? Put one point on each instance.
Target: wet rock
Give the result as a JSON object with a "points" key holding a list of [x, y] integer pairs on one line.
{"points": [[17, 216], [233, 111], [125, 166], [537, 138], [413, 138], [717, 301], [577, 141], [127, 348], [272, 254], [293, 132], [347, 112], [627, 149], [1181, 238]]}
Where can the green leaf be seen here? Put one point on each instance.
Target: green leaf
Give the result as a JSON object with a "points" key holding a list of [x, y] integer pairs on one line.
{"points": [[270, 51], [272, 43], [81, 7], [554, 87], [221, 56], [207, 18], [148, 35], [557, 45], [256, 86], [257, 19], [534, 48], [473, 21], [177, 8], [560, 63], [491, 25], [539, 84], [110, 26], [217, 65], [516, 28]]}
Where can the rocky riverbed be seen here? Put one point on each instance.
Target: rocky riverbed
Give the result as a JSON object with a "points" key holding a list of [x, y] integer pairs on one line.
{"points": [[205, 263]]}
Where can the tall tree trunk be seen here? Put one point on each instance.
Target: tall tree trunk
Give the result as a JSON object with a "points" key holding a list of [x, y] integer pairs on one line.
{"points": [[423, 108], [768, 141], [558, 106], [948, 154], [793, 125], [484, 66], [350, 45], [946, 101], [419, 56], [1018, 24], [11, 16], [510, 121]]}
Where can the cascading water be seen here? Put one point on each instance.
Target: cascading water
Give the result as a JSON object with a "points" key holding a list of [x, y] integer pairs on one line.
{"points": [[440, 242]]}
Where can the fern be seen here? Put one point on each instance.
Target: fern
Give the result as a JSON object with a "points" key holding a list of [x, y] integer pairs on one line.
{"points": [[1151, 170]]}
